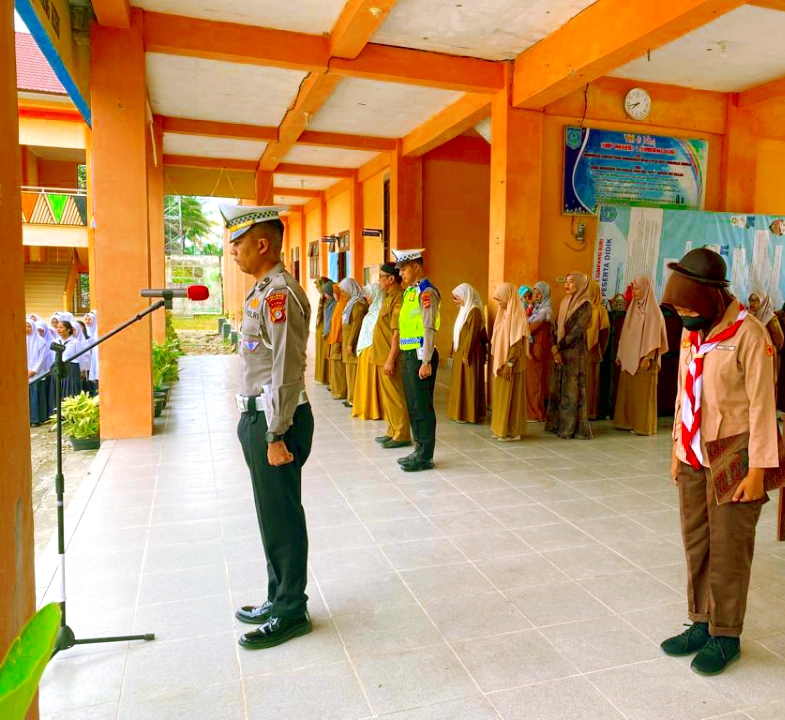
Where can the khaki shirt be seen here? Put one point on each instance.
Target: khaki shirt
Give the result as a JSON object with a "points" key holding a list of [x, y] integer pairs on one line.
{"points": [[738, 391], [387, 323], [272, 353], [350, 333]]}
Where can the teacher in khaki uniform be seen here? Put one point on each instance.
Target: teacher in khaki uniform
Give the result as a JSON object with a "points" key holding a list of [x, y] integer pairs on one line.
{"points": [[418, 325], [726, 389], [276, 424], [387, 355]]}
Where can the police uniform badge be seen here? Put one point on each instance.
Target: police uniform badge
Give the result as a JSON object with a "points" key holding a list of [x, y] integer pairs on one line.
{"points": [[426, 299], [254, 303], [276, 302], [770, 350]]}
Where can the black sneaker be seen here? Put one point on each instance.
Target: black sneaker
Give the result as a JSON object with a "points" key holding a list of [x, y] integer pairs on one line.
{"points": [[275, 631], [417, 465], [719, 652], [690, 641], [410, 458]]}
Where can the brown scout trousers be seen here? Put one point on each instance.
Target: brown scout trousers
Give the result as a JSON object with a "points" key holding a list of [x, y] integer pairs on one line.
{"points": [[719, 541]]}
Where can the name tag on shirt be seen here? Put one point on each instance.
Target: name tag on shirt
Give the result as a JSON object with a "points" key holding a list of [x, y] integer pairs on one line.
{"points": [[726, 347]]}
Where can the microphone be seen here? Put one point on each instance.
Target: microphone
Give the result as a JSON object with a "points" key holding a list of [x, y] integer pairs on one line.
{"points": [[191, 292]]}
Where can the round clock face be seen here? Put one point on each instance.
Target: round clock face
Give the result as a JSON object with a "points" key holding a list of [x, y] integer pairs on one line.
{"points": [[637, 104]]}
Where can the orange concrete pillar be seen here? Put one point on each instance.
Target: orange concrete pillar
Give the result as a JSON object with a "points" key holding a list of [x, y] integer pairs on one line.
{"points": [[357, 242], [155, 206], [264, 188], [406, 183], [516, 189], [119, 99], [739, 160], [90, 216], [226, 266], [324, 248], [304, 259], [17, 580]]}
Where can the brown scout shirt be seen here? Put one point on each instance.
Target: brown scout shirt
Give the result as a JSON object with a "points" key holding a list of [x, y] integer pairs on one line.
{"points": [[738, 390], [386, 325]]}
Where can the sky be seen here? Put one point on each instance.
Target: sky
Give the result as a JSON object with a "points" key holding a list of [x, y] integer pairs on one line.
{"points": [[19, 26]]}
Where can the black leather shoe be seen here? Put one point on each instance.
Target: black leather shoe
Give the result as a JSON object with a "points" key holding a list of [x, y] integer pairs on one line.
{"points": [[690, 641], [391, 444], [346, 403], [255, 614], [417, 465], [275, 631], [382, 439], [411, 457], [716, 655]]}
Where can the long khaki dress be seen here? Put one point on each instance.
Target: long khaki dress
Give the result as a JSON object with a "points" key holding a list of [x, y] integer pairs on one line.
{"points": [[537, 370], [467, 382], [367, 388], [636, 400], [508, 416], [338, 387], [350, 334]]}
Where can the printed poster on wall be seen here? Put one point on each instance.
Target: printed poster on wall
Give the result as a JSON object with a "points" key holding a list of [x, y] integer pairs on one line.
{"points": [[603, 167], [642, 241]]}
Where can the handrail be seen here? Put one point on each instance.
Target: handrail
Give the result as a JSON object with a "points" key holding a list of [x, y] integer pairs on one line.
{"points": [[44, 190]]}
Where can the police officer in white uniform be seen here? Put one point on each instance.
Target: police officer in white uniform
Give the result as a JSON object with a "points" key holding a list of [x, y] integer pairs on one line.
{"points": [[276, 424]]}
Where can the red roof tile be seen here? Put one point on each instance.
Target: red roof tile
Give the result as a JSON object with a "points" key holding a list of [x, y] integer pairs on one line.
{"points": [[32, 69]]}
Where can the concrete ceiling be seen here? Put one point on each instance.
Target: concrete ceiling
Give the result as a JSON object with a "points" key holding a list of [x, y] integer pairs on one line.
{"points": [[213, 147]]}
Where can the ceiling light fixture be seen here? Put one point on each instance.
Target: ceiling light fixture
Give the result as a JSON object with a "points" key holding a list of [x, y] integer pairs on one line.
{"points": [[723, 48]]}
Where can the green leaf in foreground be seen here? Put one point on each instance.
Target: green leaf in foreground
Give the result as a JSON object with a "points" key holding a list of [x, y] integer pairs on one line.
{"points": [[25, 661]]}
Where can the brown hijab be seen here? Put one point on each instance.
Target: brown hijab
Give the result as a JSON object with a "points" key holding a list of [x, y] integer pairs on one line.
{"points": [[643, 330], [572, 302], [511, 325]]}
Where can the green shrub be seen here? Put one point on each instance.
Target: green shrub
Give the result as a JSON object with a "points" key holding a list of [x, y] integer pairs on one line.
{"points": [[165, 366], [172, 338], [80, 416]]}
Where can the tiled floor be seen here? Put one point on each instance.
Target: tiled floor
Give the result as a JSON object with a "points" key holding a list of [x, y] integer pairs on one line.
{"points": [[531, 580]]}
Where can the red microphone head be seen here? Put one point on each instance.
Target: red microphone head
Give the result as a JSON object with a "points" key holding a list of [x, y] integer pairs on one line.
{"points": [[197, 292]]}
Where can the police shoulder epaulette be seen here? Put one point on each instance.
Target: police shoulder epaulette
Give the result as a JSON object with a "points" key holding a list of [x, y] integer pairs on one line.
{"points": [[425, 284]]}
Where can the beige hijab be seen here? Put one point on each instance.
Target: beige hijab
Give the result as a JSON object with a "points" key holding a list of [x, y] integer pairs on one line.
{"points": [[766, 308], [572, 302], [599, 315], [511, 325], [643, 330]]}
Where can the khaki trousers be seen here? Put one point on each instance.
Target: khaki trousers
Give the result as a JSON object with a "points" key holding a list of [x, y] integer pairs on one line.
{"points": [[338, 387], [351, 378], [719, 541], [394, 404]]}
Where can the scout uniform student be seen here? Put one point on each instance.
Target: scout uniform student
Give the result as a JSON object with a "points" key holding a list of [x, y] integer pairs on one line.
{"points": [[418, 325], [387, 356], [726, 389], [276, 424]]}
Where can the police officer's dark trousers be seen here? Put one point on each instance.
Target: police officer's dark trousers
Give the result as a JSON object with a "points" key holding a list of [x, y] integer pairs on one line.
{"points": [[277, 495], [419, 401]]}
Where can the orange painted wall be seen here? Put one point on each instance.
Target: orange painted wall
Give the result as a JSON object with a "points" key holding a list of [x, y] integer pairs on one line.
{"points": [[338, 213], [56, 173], [456, 210], [292, 240], [373, 217], [769, 188]]}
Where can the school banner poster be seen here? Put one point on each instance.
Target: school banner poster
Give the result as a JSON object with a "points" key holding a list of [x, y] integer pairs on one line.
{"points": [[642, 241], [603, 167]]}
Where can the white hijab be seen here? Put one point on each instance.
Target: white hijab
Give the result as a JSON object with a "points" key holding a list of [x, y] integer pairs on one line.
{"points": [[36, 349], [49, 337], [94, 352], [471, 299]]}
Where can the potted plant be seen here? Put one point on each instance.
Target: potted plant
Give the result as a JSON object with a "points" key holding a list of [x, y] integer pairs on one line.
{"points": [[81, 421]]}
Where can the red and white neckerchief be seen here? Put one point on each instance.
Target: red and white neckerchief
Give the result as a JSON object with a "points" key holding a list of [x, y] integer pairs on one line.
{"points": [[691, 400]]}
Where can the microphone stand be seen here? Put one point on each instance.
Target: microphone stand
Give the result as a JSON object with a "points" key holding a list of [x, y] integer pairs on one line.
{"points": [[65, 636]]}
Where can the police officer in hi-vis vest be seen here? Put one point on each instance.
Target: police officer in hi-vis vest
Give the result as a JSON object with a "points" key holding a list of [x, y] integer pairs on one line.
{"points": [[418, 324], [276, 424]]}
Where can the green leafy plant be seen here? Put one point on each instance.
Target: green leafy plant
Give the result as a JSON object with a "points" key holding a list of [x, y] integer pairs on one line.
{"points": [[165, 366], [172, 338], [25, 662], [80, 416]]}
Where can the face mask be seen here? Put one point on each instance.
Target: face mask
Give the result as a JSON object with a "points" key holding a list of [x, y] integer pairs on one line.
{"points": [[695, 324]]}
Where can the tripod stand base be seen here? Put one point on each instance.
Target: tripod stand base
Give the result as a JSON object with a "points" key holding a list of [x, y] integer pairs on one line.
{"points": [[66, 639]]}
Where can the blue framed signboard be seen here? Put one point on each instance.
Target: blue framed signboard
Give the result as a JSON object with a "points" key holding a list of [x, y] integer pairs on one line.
{"points": [[603, 167]]}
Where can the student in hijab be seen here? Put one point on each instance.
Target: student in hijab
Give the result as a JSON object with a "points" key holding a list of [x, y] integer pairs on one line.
{"points": [[36, 364], [509, 348], [567, 413], [642, 344], [353, 315], [86, 360], [91, 320], [367, 385], [726, 390], [469, 340], [538, 364], [763, 309], [322, 361], [323, 337], [337, 368], [597, 341], [525, 295], [49, 336], [71, 382]]}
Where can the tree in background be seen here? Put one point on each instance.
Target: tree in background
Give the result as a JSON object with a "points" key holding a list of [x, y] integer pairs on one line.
{"points": [[187, 230]]}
